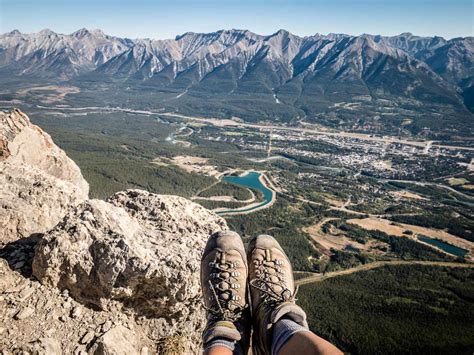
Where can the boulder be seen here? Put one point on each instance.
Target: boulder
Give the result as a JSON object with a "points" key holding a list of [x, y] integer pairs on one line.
{"points": [[139, 250], [23, 143], [38, 182], [117, 341], [133, 260], [31, 201], [46, 346]]}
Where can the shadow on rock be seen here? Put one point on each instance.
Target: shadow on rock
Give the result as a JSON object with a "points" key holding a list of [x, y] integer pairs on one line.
{"points": [[20, 254]]}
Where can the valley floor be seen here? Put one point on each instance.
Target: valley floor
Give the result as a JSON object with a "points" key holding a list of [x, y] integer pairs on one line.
{"points": [[348, 208]]}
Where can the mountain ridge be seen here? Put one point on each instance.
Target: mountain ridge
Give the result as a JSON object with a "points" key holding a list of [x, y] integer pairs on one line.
{"points": [[98, 40], [232, 69]]}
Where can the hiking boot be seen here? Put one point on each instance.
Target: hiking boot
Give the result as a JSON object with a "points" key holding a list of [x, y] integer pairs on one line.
{"points": [[272, 290], [224, 286]]}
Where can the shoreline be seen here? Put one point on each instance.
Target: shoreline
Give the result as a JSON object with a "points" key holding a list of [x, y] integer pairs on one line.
{"points": [[257, 206]]}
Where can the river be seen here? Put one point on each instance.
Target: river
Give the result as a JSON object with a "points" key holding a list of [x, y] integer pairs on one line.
{"points": [[253, 180]]}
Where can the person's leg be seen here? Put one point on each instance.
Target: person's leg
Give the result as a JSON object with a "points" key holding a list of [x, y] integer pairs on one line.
{"points": [[224, 286], [290, 338], [279, 325], [222, 346], [218, 350], [308, 343]]}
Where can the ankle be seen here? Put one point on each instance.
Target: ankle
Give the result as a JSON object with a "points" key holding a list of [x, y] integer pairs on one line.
{"points": [[232, 345], [283, 330]]}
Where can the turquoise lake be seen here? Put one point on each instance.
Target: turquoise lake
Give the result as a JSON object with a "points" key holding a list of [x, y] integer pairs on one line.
{"points": [[448, 248], [250, 180]]}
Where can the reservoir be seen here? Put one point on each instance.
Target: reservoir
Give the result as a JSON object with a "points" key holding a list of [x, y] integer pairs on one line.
{"points": [[448, 248], [250, 180]]}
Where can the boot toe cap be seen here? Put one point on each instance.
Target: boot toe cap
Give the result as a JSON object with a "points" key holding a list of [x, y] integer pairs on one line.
{"points": [[264, 241], [225, 240]]}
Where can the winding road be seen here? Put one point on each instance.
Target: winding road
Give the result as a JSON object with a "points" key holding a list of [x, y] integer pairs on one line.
{"points": [[375, 265]]}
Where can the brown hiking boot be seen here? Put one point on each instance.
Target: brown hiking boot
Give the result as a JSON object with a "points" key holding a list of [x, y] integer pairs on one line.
{"points": [[272, 290], [224, 286]]}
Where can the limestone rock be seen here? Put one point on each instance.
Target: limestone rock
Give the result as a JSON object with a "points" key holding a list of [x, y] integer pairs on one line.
{"points": [[25, 313], [135, 258], [38, 182], [140, 250], [32, 201], [22, 142], [87, 337], [117, 341], [47, 346]]}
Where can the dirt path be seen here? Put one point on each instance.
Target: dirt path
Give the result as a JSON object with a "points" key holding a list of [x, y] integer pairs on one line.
{"points": [[374, 265], [318, 226], [206, 188]]}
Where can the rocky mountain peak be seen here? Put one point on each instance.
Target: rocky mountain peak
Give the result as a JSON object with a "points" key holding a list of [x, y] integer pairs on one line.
{"points": [[281, 33], [184, 35], [283, 37], [14, 32], [47, 32], [84, 32]]}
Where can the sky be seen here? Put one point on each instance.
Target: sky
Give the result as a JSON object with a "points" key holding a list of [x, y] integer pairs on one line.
{"points": [[160, 19]]}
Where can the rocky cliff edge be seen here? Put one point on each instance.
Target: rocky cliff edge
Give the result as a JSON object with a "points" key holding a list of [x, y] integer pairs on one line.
{"points": [[84, 276]]}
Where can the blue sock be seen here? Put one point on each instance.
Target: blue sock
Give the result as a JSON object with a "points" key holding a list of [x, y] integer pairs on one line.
{"points": [[282, 332], [232, 345]]}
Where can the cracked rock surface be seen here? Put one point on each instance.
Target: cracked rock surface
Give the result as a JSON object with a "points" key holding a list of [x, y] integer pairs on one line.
{"points": [[38, 182], [140, 249], [83, 276]]}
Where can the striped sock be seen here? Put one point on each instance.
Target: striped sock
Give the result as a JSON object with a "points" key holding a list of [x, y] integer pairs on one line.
{"points": [[282, 332], [232, 345]]}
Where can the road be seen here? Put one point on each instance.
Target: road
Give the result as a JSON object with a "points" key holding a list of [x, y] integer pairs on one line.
{"points": [[362, 136], [375, 265], [426, 145], [345, 209], [426, 183]]}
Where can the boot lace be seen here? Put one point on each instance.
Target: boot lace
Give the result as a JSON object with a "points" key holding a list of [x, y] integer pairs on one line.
{"points": [[223, 283], [270, 277]]}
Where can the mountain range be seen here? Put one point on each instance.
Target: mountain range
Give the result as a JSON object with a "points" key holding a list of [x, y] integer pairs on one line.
{"points": [[286, 76]]}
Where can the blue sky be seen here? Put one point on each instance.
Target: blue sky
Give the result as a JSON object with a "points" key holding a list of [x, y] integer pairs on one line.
{"points": [[166, 19]]}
